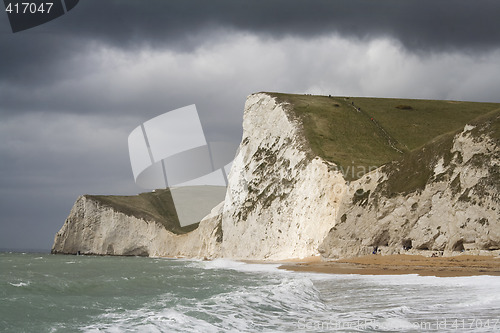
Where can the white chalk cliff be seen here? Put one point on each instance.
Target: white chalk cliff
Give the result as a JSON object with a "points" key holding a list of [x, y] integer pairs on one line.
{"points": [[456, 208], [281, 199], [284, 202], [95, 228]]}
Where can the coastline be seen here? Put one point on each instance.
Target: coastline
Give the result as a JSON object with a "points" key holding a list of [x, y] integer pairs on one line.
{"points": [[462, 265], [397, 264]]}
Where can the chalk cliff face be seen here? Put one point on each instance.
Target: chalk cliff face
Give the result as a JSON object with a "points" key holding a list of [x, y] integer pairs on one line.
{"points": [[284, 202], [444, 198], [281, 199], [94, 228], [281, 202]]}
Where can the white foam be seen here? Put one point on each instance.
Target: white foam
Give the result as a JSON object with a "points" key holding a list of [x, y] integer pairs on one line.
{"points": [[489, 298], [20, 284], [266, 302], [412, 279], [147, 320], [394, 324], [278, 300], [400, 310], [241, 266]]}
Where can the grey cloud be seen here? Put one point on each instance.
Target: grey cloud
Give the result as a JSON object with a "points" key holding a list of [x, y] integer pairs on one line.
{"points": [[47, 161], [45, 65], [418, 24]]}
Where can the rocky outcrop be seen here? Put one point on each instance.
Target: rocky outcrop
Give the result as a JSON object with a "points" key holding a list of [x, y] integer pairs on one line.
{"points": [[96, 228], [442, 199]]}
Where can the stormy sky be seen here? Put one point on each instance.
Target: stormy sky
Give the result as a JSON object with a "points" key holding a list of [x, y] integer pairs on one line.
{"points": [[73, 89]]}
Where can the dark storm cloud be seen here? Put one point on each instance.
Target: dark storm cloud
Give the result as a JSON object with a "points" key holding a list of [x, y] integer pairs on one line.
{"points": [[183, 24], [418, 24], [34, 58], [53, 52]]}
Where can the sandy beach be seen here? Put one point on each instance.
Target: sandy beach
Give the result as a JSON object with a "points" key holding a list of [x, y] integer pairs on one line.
{"points": [[462, 265]]}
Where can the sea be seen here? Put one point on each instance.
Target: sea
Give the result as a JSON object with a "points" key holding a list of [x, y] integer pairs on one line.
{"points": [[67, 293]]}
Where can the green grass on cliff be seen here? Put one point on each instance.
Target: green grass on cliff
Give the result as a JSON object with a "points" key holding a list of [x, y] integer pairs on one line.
{"points": [[415, 169], [359, 134], [152, 206]]}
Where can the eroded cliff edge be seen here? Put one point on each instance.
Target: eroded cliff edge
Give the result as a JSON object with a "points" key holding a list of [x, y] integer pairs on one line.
{"points": [[291, 193], [282, 199], [442, 199], [97, 225]]}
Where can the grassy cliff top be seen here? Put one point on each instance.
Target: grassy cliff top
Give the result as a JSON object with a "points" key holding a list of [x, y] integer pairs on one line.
{"points": [[359, 134], [152, 206], [415, 169]]}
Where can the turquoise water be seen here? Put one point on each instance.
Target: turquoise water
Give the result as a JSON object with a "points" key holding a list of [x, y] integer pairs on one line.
{"points": [[57, 293]]}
